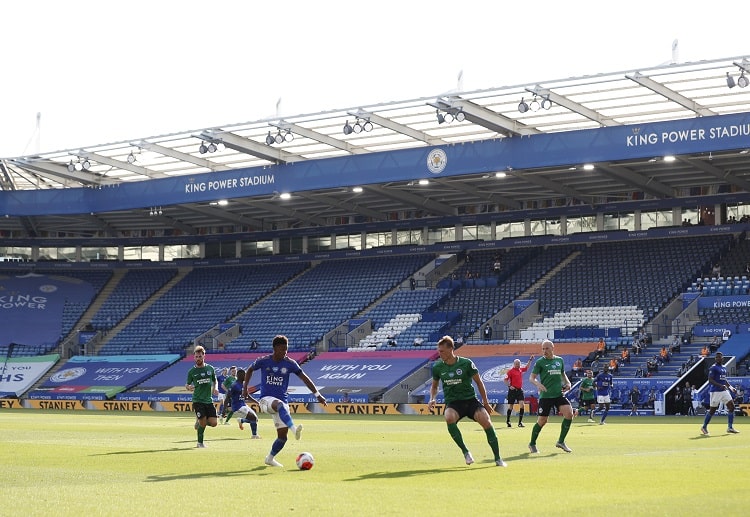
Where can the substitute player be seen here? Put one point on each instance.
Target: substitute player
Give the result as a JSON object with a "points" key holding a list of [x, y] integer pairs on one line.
{"points": [[603, 384], [720, 391]]}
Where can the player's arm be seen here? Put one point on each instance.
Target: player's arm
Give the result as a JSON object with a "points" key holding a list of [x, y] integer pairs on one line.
{"points": [[311, 386], [533, 379], [566, 385], [482, 392], [433, 393], [248, 375], [215, 386], [531, 358], [189, 384], [506, 379]]}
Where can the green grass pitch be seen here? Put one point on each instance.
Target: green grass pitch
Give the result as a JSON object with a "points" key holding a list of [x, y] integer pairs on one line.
{"points": [[95, 463]]}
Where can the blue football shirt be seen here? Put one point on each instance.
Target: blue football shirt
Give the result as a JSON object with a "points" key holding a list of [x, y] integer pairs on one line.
{"points": [[274, 375]]}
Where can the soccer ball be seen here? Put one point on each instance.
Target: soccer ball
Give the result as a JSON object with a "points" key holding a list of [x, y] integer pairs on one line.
{"points": [[305, 461]]}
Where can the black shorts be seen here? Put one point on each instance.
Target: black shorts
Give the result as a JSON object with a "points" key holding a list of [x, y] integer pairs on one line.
{"points": [[204, 410], [588, 402], [515, 395], [465, 408], [545, 405]]}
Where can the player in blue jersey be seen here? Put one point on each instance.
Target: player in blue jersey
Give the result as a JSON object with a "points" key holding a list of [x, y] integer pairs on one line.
{"points": [[222, 397], [239, 406], [603, 385], [720, 391], [275, 370]]}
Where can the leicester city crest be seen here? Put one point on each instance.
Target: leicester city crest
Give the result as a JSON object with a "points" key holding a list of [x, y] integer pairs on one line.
{"points": [[436, 161]]}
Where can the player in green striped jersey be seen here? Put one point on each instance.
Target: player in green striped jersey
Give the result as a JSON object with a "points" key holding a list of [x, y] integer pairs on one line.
{"points": [[201, 381], [552, 382], [457, 374]]}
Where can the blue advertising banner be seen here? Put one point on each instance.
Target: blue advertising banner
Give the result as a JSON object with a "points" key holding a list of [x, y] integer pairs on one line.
{"points": [[723, 302], [169, 384], [100, 378], [18, 374], [361, 378], [31, 306]]}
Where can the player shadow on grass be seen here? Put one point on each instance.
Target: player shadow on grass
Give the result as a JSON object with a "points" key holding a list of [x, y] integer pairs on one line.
{"points": [[201, 475], [395, 474], [171, 449]]}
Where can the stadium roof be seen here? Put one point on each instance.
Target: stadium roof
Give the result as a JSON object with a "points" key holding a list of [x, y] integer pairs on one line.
{"points": [[663, 93]]}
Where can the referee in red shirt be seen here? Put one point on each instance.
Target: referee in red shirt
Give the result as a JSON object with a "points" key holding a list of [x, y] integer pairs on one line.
{"points": [[514, 380]]}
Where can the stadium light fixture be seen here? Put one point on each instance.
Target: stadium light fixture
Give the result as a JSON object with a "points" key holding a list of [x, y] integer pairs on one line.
{"points": [[85, 164], [522, 106], [71, 166], [730, 81], [534, 104], [450, 115], [131, 157], [348, 130], [742, 81]]}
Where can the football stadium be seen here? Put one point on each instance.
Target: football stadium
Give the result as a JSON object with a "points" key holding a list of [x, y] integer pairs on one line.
{"points": [[607, 213]]}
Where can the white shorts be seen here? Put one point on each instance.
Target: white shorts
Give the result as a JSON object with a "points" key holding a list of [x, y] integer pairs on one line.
{"points": [[266, 406], [244, 411], [720, 397], [603, 399]]}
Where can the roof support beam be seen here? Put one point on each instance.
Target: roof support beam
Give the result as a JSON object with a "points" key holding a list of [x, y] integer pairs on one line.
{"points": [[346, 205], [288, 212], [719, 173], [399, 128], [6, 179], [486, 195], [251, 147], [573, 106], [179, 155], [118, 164], [484, 117], [672, 95], [631, 177], [219, 213], [57, 172], [320, 137], [550, 185], [412, 199]]}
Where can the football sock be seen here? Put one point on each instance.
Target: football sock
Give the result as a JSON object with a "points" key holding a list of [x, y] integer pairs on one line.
{"points": [[508, 413], [564, 428], [253, 426], [283, 410], [456, 435], [604, 415], [492, 440], [535, 433], [229, 416], [278, 444], [730, 417], [707, 419], [201, 430], [520, 414]]}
